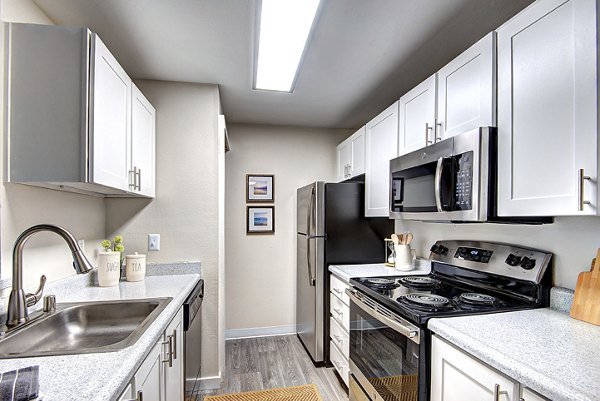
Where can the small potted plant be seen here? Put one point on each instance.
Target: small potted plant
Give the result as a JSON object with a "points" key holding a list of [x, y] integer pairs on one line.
{"points": [[110, 261]]}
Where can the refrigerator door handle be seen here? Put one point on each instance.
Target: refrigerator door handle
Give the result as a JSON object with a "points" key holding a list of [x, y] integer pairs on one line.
{"points": [[311, 277]]}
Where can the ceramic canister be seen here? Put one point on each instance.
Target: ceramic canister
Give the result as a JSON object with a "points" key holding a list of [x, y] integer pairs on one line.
{"points": [[135, 267], [109, 268]]}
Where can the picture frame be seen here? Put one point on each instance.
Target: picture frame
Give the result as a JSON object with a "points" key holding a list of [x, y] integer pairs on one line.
{"points": [[260, 188], [260, 219]]}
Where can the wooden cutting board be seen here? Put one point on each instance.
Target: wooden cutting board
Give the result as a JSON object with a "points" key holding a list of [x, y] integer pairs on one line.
{"points": [[586, 304]]}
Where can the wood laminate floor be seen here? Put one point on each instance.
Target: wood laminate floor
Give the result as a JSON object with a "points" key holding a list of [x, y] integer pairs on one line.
{"points": [[269, 362]]}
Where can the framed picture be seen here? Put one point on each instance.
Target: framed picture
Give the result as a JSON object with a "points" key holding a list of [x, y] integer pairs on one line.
{"points": [[260, 219], [260, 188]]}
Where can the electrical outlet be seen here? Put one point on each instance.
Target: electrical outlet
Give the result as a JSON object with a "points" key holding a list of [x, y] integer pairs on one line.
{"points": [[154, 242], [81, 244]]}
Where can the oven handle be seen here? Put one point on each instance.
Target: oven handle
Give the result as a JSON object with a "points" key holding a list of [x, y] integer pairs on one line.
{"points": [[410, 332]]}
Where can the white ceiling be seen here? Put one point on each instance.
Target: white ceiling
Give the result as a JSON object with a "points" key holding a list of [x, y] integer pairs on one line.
{"points": [[364, 54]]}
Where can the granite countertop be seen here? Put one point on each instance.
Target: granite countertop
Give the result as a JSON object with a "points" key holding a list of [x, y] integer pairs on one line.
{"points": [[346, 272], [544, 349], [104, 376]]}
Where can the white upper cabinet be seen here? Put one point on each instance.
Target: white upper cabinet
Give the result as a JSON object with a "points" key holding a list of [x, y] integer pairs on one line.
{"points": [[143, 133], [417, 117], [110, 128], [351, 156], [69, 115], [466, 90], [547, 110], [458, 98], [381, 147]]}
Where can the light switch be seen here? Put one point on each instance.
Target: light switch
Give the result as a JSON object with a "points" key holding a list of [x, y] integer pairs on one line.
{"points": [[154, 242]]}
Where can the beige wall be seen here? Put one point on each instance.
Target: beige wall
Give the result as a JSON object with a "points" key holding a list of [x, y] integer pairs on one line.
{"points": [[24, 206], [260, 270], [573, 240], [185, 210]]}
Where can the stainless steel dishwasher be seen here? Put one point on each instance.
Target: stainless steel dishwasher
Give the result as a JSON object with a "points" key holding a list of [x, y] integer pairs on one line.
{"points": [[192, 336]]}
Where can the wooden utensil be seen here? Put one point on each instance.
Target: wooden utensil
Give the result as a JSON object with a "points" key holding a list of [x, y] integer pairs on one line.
{"points": [[586, 304], [408, 238], [395, 239]]}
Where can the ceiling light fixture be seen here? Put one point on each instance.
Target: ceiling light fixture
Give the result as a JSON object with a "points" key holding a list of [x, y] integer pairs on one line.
{"points": [[285, 26]]}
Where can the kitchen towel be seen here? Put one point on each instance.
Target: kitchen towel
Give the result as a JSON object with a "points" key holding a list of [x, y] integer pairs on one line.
{"points": [[20, 385]]}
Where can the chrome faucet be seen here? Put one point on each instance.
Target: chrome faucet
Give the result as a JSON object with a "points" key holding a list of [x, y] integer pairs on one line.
{"points": [[18, 302]]}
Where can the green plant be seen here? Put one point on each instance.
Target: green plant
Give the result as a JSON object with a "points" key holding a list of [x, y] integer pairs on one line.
{"points": [[116, 245]]}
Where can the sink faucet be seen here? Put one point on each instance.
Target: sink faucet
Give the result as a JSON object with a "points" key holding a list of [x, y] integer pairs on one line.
{"points": [[18, 302]]}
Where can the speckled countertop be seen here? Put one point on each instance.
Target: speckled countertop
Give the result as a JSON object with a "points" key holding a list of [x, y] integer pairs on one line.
{"points": [[544, 349], [346, 272], [104, 376]]}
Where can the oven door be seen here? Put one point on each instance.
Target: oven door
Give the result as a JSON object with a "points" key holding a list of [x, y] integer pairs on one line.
{"points": [[387, 362]]}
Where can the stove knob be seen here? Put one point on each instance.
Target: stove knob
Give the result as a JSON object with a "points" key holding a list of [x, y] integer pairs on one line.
{"points": [[442, 250], [435, 249], [513, 260], [527, 263]]}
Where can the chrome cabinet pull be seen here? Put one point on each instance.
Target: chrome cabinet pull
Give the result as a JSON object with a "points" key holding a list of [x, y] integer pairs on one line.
{"points": [[427, 129], [132, 178], [437, 132], [169, 344], [496, 392], [174, 337], [139, 176], [338, 338], [339, 312], [582, 179], [337, 290]]}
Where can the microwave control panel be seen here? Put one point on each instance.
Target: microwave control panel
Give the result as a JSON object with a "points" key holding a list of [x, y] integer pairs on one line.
{"points": [[463, 193]]}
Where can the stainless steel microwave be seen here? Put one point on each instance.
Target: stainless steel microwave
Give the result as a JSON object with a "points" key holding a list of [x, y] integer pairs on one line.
{"points": [[451, 180]]}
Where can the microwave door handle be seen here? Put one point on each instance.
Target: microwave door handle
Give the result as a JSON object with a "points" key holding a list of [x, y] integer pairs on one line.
{"points": [[438, 184]]}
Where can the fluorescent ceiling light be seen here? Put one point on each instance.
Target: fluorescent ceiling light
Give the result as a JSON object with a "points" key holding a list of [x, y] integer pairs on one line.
{"points": [[284, 28]]}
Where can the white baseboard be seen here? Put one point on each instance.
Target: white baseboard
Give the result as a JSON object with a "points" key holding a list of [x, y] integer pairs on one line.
{"points": [[231, 334], [204, 383]]}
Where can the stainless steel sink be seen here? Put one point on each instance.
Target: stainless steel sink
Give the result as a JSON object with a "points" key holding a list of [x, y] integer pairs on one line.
{"points": [[86, 327]]}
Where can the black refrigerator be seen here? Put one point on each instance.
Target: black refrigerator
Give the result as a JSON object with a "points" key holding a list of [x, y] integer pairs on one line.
{"points": [[331, 230]]}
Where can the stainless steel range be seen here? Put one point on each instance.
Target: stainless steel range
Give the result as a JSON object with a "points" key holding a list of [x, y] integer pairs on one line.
{"points": [[389, 339]]}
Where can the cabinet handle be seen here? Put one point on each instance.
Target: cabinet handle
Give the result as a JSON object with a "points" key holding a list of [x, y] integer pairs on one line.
{"points": [[582, 179], [496, 392], [338, 365], [139, 179], [338, 291], [132, 178], [437, 132], [338, 338], [140, 396], [174, 337], [427, 129], [169, 344], [339, 312]]}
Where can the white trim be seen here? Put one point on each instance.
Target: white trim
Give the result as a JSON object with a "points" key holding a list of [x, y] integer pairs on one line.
{"points": [[231, 334], [204, 383]]}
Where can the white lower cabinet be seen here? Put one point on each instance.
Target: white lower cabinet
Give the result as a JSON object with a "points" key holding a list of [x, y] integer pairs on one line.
{"points": [[160, 377], [456, 376], [339, 328]]}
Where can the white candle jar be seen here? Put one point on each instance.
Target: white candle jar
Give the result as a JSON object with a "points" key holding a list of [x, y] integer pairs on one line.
{"points": [[109, 268]]}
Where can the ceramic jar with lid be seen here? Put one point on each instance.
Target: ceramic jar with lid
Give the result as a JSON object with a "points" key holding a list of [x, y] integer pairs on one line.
{"points": [[135, 267]]}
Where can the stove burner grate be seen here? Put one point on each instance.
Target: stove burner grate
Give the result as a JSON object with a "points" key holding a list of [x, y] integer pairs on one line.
{"points": [[477, 299], [429, 300], [380, 281]]}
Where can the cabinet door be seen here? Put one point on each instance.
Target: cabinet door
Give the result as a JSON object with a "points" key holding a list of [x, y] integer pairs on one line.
{"points": [[357, 152], [466, 97], [147, 380], [143, 122], [343, 160], [174, 374], [456, 376], [382, 142], [110, 119], [127, 395], [547, 110], [417, 117], [528, 395]]}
